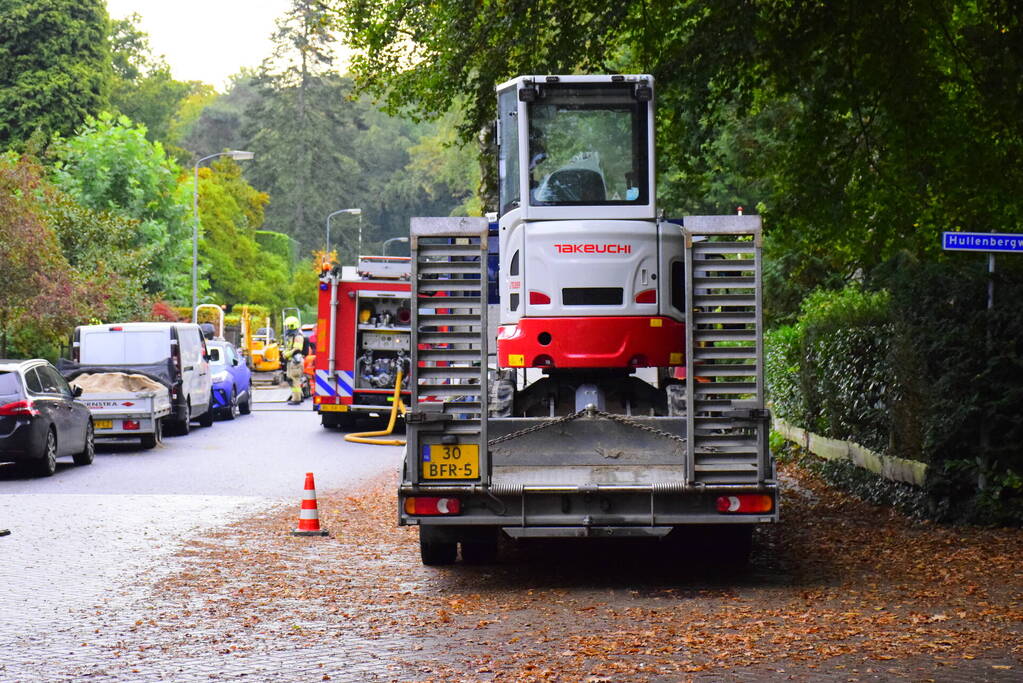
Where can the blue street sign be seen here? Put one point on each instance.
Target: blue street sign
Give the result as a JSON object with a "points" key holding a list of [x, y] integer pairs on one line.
{"points": [[981, 241]]}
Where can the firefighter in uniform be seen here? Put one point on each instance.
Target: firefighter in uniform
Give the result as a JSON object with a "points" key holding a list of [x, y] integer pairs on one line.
{"points": [[294, 348]]}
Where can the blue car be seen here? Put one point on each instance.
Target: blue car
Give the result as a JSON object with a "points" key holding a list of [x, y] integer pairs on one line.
{"points": [[232, 380]]}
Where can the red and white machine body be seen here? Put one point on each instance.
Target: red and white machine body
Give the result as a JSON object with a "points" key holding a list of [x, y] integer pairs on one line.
{"points": [[589, 278], [362, 338]]}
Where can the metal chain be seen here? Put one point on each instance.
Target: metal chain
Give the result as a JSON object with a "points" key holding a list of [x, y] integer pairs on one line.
{"points": [[625, 420], [588, 411], [536, 428]]}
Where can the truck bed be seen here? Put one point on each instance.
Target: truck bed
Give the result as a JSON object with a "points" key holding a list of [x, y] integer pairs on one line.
{"points": [[130, 411]]}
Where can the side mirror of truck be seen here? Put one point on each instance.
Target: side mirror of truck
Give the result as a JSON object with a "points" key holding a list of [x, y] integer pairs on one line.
{"points": [[77, 391], [234, 361]]}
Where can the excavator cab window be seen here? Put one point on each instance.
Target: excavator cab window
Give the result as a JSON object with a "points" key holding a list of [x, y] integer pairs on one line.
{"points": [[587, 145], [508, 149]]}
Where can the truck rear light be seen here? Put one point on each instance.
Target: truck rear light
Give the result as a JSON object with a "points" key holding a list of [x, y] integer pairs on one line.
{"points": [[538, 298], [130, 425], [19, 408], [647, 296], [745, 503], [429, 505]]}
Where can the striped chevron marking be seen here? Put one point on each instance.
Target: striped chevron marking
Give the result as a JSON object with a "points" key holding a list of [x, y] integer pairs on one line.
{"points": [[324, 387]]}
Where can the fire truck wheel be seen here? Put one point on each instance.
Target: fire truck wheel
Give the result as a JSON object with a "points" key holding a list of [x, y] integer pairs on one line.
{"points": [[435, 552]]}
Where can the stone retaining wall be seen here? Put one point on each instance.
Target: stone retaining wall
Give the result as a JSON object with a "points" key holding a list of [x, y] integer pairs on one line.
{"points": [[894, 469]]}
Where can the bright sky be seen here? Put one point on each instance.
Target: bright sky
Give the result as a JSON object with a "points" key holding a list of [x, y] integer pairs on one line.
{"points": [[206, 40]]}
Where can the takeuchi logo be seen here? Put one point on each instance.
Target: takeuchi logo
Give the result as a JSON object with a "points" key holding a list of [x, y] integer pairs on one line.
{"points": [[593, 248]]}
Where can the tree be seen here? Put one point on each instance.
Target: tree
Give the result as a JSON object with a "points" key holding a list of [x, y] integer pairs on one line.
{"points": [[301, 53], [860, 129], [208, 122], [111, 166], [237, 268], [143, 88], [54, 67], [40, 295], [100, 246]]}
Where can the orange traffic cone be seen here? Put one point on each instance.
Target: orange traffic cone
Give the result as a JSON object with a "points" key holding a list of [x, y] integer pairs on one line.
{"points": [[309, 517]]}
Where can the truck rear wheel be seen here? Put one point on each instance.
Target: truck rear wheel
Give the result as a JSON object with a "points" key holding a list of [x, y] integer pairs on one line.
{"points": [[433, 551], [732, 544], [479, 551]]}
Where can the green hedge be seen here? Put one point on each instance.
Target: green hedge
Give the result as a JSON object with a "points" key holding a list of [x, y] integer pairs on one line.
{"points": [[278, 244], [920, 370]]}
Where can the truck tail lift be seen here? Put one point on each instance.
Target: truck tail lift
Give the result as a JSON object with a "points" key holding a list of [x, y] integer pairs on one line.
{"points": [[571, 417]]}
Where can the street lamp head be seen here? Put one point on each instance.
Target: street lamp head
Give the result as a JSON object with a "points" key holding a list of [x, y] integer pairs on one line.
{"points": [[389, 241], [354, 212], [240, 155]]}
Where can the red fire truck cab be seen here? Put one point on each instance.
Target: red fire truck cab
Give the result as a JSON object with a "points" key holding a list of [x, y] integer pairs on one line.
{"points": [[362, 339]]}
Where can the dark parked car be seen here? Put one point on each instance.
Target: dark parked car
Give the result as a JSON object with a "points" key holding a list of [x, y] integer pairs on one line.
{"points": [[232, 380], [40, 418]]}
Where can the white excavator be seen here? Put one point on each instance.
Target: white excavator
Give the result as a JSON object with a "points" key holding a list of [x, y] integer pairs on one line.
{"points": [[620, 392]]}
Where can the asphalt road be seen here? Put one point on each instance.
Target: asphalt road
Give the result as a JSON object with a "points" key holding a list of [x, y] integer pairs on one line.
{"points": [[265, 454]]}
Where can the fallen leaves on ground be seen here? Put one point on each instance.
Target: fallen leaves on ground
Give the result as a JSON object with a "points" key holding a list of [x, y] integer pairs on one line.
{"points": [[837, 584]]}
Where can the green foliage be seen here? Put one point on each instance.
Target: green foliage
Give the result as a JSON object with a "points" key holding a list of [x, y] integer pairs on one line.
{"points": [[111, 166], [829, 371], [305, 288], [234, 265], [54, 67], [963, 366], [143, 88], [102, 244], [857, 128], [207, 122], [41, 294], [317, 149], [926, 373], [277, 244]]}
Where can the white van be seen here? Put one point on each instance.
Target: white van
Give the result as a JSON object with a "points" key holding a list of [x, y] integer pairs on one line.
{"points": [[173, 353]]}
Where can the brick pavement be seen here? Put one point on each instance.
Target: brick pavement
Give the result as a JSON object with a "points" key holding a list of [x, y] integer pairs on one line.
{"points": [[74, 626], [78, 573]]}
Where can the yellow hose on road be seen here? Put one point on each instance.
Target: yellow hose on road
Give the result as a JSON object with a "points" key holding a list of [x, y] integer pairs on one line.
{"points": [[396, 405]]}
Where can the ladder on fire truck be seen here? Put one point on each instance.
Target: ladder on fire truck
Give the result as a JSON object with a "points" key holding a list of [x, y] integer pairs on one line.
{"points": [[449, 323], [727, 422]]}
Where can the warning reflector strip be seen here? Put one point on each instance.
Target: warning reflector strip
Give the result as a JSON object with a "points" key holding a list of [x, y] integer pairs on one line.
{"points": [[342, 386]]}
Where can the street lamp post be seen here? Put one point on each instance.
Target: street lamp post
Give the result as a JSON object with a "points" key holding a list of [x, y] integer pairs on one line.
{"points": [[357, 212], [393, 239], [237, 155]]}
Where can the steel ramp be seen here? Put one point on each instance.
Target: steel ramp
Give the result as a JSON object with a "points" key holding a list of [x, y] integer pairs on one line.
{"points": [[449, 345], [726, 417]]}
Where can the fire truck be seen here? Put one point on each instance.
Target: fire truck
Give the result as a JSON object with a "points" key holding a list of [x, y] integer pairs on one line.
{"points": [[572, 417], [363, 338]]}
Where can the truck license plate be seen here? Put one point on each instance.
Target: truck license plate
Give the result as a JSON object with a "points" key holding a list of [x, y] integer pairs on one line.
{"points": [[103, 424], [451, 461], [333, 408]]}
